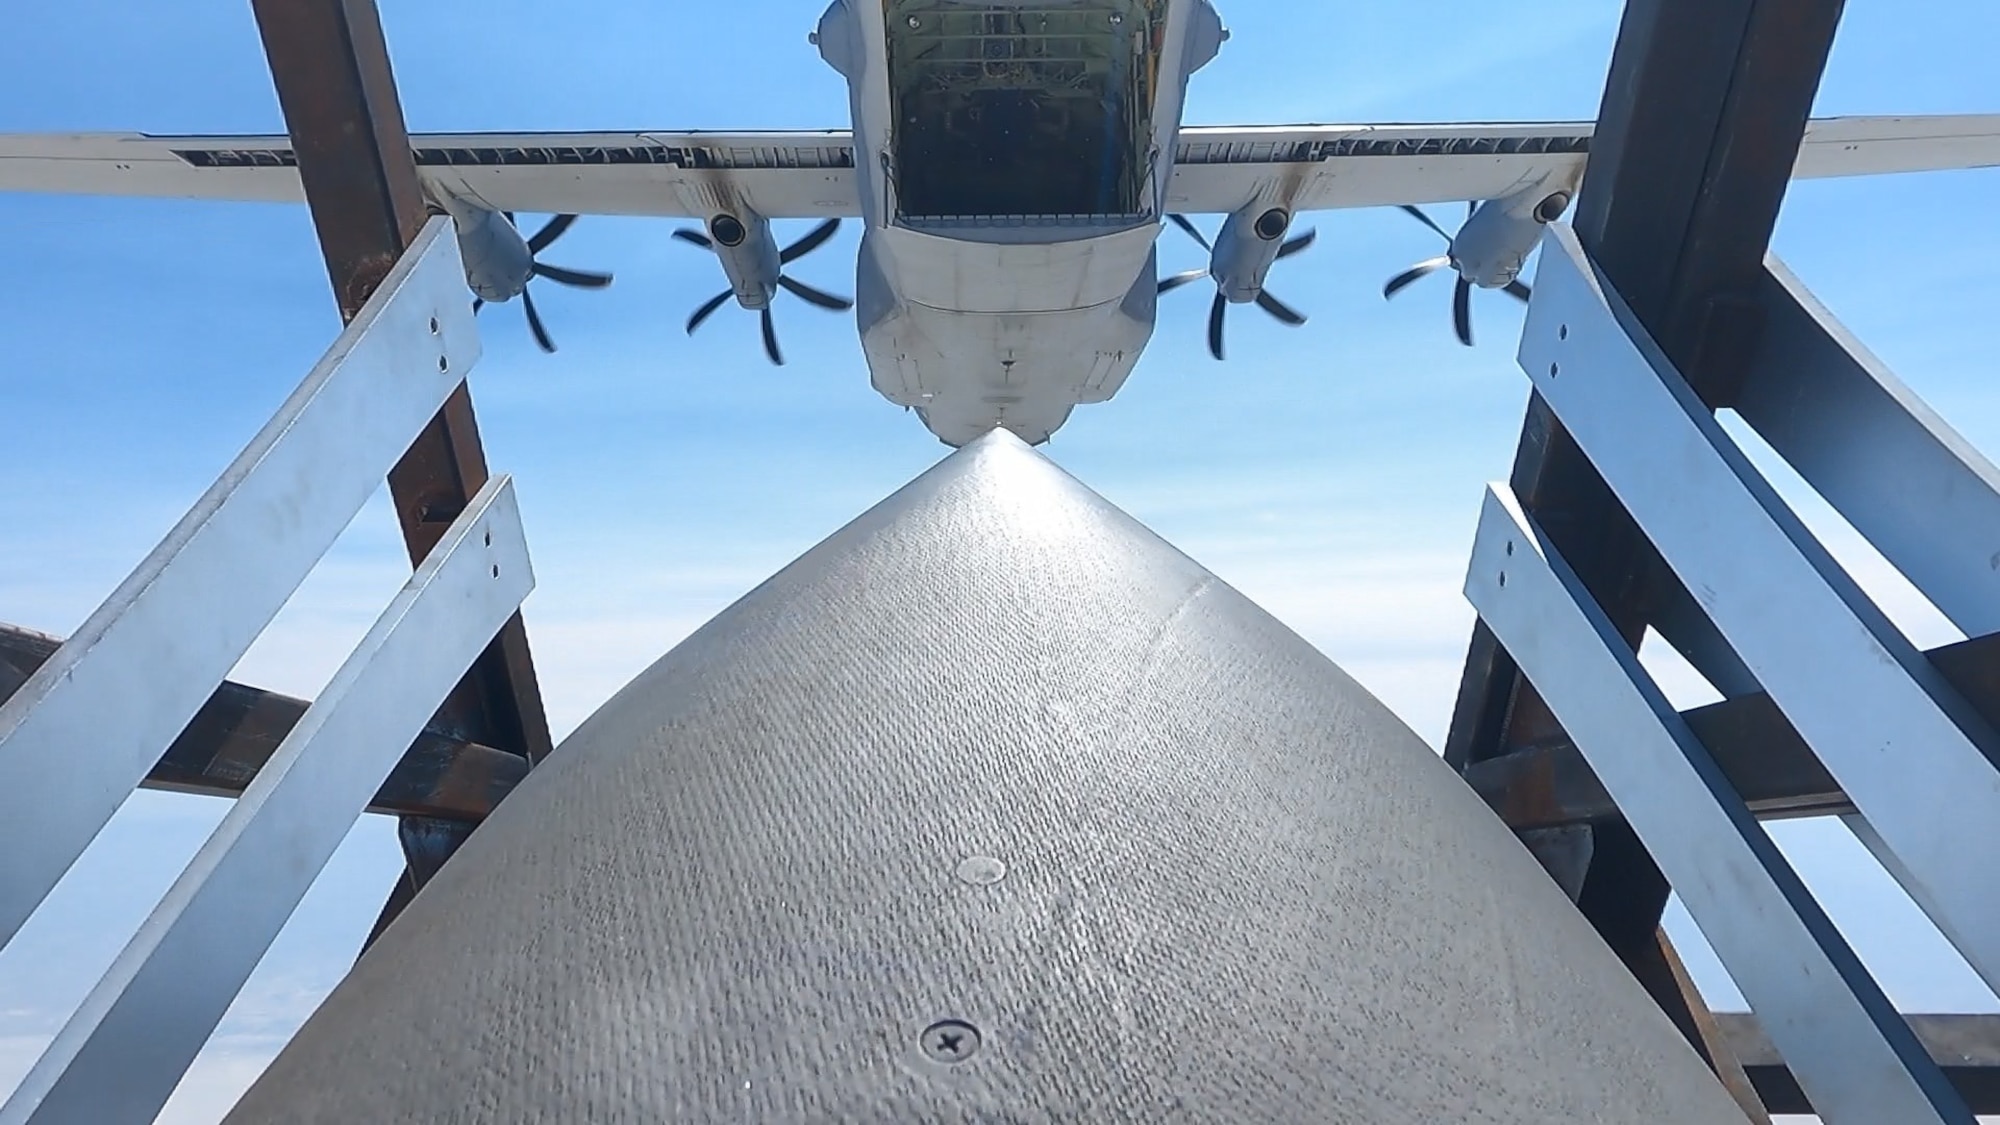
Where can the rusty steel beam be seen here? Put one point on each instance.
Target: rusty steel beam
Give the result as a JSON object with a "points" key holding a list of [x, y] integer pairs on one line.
{"points": [[1703, 113], [441, 777], [1704, 108], [331, 69], [1723, 1057], [1550, 785], [1966, 1047], [330, 66]]}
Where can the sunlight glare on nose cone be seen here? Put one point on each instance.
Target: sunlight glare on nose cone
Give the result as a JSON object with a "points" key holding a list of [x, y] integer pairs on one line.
{"points": [[991, 807]]}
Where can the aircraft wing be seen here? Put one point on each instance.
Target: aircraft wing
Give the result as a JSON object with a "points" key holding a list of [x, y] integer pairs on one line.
{"points": [[1318, 167], [782, 175], [811, 174]]}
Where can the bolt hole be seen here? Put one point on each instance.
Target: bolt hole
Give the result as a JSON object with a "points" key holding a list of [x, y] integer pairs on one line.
{"points": [[444, 364], [1562, 332], [1510, 548], [982, 870], [434, 326], [496, 570], [1503, 580], [1552, 370], [489, 542]]}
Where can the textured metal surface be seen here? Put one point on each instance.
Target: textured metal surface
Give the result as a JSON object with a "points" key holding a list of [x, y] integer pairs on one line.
{"points": [[1227, 884], [1904, 748], [86, 727], [125, 1049], [1850, 1050]]}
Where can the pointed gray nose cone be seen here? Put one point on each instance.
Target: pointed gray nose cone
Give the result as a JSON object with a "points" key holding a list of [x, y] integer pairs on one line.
{"points": [[991, 808]]}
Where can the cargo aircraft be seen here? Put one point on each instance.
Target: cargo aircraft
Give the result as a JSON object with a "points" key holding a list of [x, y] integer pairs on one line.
{"points": [[1013, 163]]}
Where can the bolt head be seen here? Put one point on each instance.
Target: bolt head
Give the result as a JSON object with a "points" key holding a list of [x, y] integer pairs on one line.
{"points": [[950, 1041]]}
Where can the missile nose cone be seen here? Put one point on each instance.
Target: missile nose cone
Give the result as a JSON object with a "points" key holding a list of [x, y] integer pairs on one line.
{"points": [[991, 807]]}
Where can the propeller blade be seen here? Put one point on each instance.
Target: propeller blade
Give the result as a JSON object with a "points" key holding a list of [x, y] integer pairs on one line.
{"points": [[550, 231], [535, 322], [1181, 221], [1168, 284], [687, 234], [818, 297], [1295, 244], [1427, 221], [1215, 324], [708, 307], [1519, 291], [1428, 265], [811, 242], [1461, 311], [582, 279], [770, 336], [1279, 309]]}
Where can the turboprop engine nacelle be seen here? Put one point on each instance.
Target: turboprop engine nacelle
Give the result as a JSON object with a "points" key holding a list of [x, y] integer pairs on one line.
{"points": [[748, 254], [497, 260], [1245, 248], [1496, 240]]}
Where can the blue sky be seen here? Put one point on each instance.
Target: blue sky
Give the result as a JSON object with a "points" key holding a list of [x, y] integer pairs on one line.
{"points": [[1332, 472]]}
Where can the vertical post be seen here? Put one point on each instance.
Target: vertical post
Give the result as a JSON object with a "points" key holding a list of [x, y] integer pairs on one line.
{"points": [[1704, 108], [330, 65]]}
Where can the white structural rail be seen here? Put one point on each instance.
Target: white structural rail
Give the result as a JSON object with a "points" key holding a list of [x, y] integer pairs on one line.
{"points": [[1912, 756], [83, 732], [1839, 1034], [122, 1053]]}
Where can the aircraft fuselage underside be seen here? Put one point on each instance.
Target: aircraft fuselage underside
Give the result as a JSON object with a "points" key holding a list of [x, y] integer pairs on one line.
{"points": [[1010, 158], [1011, 162]]}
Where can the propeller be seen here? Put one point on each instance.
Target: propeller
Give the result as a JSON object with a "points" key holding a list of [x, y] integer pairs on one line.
{"points": [[1461, 295], [809, 242], [581, 279], [1218, 308]]}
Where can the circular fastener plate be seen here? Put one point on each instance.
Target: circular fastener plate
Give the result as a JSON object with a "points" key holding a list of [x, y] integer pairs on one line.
{"points": [[950, 1041], [982, 870]]}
